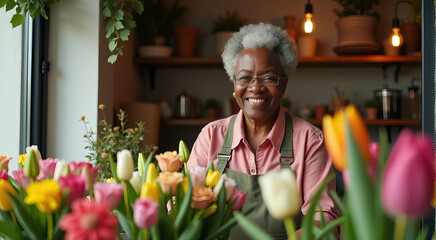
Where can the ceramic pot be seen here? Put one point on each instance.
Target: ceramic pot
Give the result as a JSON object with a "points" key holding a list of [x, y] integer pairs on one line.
{"points": [[186, 39], [291, 30], [371, 113], [337, 104], [306, 46], [221, 39], [320, 111], [412, 37]]}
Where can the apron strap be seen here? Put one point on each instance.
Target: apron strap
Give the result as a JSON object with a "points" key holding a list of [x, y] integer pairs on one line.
{"points": [[226, 150], [286, 155]]}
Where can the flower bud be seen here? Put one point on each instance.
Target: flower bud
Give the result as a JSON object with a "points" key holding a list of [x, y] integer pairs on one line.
{"points": [[150, 190], [136, 181], [141, 163], [124, 165], [62, 169], [145, 213], [31, 165], [151, 175], [183, 151], [212, 178]]}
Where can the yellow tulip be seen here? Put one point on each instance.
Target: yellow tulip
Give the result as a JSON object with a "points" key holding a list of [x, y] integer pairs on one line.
{"points": [[5, 200], [212, 178], [185, 184], [335, 135], [46, 195], [212, 210], [151, 175], [150, 190]]}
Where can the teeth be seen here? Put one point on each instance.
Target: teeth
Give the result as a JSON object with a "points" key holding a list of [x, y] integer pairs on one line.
{"points": [[256, 100]]}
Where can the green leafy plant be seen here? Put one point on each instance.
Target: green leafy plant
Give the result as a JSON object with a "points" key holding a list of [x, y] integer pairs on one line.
{"points": [[286, 103], [338, 94], [356, 7], [119, 23], [22, 7], [158, 19], [113, 139], [212, 103], [371, 103], [230, 21], [415, 12]]}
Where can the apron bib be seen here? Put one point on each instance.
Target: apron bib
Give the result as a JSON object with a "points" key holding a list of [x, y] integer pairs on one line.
{"points": [[250, 185]]}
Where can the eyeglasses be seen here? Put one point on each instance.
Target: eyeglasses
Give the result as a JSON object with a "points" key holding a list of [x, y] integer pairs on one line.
{"points": [[268, 80]]}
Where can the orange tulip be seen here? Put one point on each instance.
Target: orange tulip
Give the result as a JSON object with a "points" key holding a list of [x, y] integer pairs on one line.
{"points": [[335, 130]]}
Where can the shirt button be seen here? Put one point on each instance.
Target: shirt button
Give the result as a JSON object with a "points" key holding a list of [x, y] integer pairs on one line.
{"points": [[253, 171]]}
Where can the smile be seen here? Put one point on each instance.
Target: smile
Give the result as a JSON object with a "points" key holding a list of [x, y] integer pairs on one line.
{"points": [[254, 100]]}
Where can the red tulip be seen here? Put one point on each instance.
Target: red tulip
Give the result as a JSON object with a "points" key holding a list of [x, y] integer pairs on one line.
{"points": [[75, 184], [408, 181]]}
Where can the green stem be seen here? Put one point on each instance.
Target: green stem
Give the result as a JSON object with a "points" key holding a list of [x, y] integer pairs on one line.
{"points": [[49, 226], [126, 203], [145, 234], [400, 227], [14, 218], [186, 168], [290, 229]]}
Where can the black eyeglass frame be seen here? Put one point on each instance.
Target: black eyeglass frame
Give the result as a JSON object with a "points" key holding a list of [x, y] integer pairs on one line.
{"points": [[261, 81]]}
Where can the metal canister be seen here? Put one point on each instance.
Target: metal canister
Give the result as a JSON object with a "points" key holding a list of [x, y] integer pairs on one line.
{"points": [[184, 105], [389, 102]]}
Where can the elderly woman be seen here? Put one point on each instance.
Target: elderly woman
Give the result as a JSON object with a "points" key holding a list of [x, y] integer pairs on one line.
{"points": [[259, 60]]}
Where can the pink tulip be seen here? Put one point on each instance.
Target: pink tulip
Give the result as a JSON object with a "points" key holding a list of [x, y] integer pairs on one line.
{"points": [[21, 179], [198, 175], [4, 175], [374, 150], [109, 193], [240, 197], [229, 183], [46, 168], [408, 181], [77, 169], [75, 184], [145, 213]]}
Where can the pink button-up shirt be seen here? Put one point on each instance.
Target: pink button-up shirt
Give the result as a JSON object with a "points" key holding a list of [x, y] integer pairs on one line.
{"points": [[311, 161]]}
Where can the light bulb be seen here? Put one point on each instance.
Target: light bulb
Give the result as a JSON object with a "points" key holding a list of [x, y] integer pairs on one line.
{"points": [[396, 37], [309, 24]]}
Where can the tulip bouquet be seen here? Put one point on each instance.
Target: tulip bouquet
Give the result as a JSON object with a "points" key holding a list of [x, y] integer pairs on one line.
{"points": [[386, 193], [164, 203]]}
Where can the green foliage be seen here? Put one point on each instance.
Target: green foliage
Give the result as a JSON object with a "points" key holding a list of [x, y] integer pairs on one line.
{"points": [[356, 7], [158, 19], [111, 140], [338, 94], [286, 103], [415, 12], [22, 7], [212, 103], [119, 23], [230, 21], [371, 103]]}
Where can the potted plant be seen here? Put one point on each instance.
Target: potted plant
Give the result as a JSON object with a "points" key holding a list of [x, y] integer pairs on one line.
{"points": [[224, 27], [356, 27], [371, 107], [411, 28], [155, 27], [340, 98], [286, 104], [212, 106]]}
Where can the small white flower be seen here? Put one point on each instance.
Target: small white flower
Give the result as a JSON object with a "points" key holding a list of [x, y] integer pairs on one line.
{"points": [[124, 165]]}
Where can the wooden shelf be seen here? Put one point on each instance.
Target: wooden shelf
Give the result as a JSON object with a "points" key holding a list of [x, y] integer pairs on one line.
{"points": [[214, 62], [381, 122], [378, 122]]}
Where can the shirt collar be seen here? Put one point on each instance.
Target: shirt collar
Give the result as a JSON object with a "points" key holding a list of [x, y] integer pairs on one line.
{"points": [[275, 136]]}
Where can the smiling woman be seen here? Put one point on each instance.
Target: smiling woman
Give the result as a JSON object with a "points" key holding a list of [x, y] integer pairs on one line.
{"points": [[260, 60]]}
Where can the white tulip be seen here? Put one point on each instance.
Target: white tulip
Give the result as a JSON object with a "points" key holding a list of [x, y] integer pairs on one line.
{"points": [[124, 165], [136, 181], [35, 151], [280, 193], [62, 169], [229, 183]]}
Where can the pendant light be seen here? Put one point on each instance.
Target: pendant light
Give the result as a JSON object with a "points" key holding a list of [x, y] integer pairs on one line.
{"points": [[309, 23]]}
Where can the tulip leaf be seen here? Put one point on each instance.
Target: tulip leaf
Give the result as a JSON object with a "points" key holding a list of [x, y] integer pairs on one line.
{"points": [[26, 220], [361, 191], [126, 225], [307, 224], [147, 162], [225, 227], [210, 167], [113, 169], [193, 231], [154, 232], [179, 196], [8, 230], [329, 227], [216, 219], [165, 224], [250, 228], [186, 204]]}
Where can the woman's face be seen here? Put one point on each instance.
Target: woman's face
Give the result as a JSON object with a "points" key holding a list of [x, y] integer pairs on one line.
{"points": [[258, 102]]}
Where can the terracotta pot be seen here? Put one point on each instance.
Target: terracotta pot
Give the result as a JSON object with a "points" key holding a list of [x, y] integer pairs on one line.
{"points": [[186, 38], [291, 30], [371, 113], [412, 37], [337, 104], [320, 111], [211, 113]]}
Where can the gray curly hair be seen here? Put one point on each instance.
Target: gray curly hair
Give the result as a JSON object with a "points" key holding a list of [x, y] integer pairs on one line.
{"points": [[260, 36]]}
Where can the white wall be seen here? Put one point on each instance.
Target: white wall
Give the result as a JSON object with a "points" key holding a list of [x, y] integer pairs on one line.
{"points": [[10, 83], [73, 76]]}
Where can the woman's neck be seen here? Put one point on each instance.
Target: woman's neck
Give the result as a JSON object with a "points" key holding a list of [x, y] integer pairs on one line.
{"points": [[256, 131]]}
